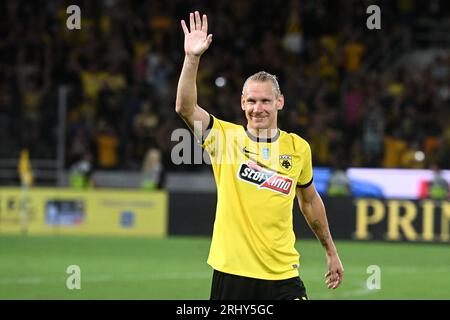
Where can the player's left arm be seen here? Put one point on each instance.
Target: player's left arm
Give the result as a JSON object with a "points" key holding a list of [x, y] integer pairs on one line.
{"points": [[314, 212]]}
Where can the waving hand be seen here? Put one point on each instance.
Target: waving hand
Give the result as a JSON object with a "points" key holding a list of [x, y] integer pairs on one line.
{"points": [[197, 40]]}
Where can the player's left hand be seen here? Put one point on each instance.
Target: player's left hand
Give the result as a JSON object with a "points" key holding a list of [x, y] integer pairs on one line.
{"points": [[335, 273]]}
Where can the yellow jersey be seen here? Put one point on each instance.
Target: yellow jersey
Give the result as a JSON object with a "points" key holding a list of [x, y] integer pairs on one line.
{"points": [[256, 180]]}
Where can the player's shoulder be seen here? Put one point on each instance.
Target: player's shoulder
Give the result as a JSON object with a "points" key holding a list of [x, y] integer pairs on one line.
{"points": [[298, 141], [224, 124]]}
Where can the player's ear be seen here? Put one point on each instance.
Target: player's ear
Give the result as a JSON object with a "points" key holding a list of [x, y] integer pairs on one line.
{"points": [[280, 102], [243, 102]]}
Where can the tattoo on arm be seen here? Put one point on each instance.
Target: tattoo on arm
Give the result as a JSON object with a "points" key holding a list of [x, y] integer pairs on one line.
{"points": [[321, 232]]}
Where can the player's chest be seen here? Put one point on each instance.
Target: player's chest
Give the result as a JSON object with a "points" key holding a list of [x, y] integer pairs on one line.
{"points": [[271, 167], [276, 157]]}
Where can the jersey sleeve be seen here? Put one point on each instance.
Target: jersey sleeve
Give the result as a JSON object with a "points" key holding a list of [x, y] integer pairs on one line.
{"points": [[306, 174], [213, 137], [206, 138]]}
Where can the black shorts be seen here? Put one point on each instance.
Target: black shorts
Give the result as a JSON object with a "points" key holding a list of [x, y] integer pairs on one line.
{"points": [[232, 287]]}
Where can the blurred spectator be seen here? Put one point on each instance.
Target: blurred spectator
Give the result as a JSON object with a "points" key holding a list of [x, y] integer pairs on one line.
{"points": [[24, 168], [320, 136], [353, 100], [394, 148], [354, 51], [144, 131], [373, 134], [438, 188], [80, 173], [339, 183], [107, 144], [146, 121], [442, 154], [152, 170], [293, 39]]}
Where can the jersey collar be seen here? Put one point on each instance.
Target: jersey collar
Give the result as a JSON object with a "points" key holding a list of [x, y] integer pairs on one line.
{"points": [[258, 139]]}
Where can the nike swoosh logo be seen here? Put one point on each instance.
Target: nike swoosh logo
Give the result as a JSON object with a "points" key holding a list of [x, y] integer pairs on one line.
{"points": [[244, 149]]}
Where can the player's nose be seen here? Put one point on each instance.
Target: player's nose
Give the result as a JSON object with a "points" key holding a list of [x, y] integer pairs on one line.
{"points": [[258, 107]]}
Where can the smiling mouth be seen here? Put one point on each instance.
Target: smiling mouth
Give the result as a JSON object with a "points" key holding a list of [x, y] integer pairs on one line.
{"points": [[258, 118]]}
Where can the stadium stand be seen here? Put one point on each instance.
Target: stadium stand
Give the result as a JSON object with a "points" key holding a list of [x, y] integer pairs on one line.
{"points": [[345, 91]]}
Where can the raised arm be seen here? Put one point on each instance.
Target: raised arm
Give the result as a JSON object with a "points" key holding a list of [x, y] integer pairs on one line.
{"points": [[313, 210], [196, 42]]}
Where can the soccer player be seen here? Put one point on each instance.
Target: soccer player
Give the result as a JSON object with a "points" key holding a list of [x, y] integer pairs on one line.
{"points": [[258, 169]]}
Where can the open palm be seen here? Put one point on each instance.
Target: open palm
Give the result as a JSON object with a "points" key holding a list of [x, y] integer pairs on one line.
{"points": [[197, 40]]}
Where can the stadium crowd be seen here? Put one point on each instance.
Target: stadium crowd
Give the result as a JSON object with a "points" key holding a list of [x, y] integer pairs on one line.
{"points": [[122, 69]]}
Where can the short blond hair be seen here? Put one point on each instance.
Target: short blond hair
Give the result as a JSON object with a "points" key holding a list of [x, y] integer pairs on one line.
{"points": [[263, 76]]}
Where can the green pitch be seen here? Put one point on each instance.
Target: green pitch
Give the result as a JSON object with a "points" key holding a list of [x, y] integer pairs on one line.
{"points": [[34, 267]]}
